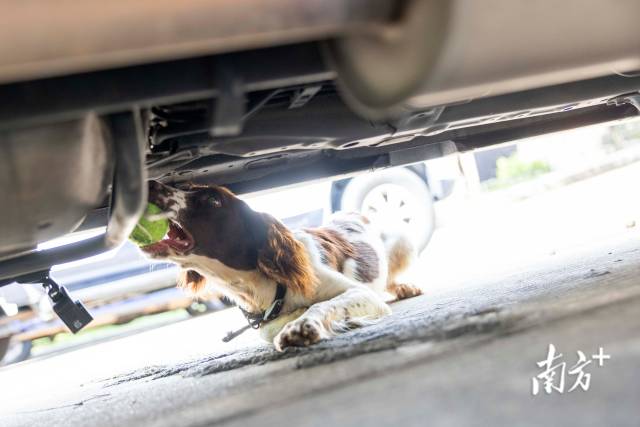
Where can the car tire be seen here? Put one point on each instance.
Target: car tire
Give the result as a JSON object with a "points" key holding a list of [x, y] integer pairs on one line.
{"points": [[407, 199]]}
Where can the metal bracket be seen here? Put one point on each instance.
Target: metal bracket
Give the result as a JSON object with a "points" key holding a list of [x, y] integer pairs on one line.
{"points": [[72, 313], [302, 96], [229, 106], [632, 98]]}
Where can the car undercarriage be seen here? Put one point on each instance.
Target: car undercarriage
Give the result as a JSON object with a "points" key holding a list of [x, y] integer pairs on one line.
{"points": [[309, 92]]}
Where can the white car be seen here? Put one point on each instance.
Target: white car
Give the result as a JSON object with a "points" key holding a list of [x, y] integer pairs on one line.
{"points": [[402, 196]]}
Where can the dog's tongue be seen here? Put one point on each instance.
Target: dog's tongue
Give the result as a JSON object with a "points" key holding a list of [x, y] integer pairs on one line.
{"points": [[176, 238]]}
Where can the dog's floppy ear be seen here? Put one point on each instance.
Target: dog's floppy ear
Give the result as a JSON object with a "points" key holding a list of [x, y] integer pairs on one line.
{"points": [[192, 281], [284, 259]]}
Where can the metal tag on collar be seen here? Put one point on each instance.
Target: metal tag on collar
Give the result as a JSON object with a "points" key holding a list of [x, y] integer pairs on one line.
{"points": [[269, 314], [254, 323]]}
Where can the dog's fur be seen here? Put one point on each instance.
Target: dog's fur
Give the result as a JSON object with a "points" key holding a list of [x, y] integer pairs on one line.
{"points": [[338, 272]]}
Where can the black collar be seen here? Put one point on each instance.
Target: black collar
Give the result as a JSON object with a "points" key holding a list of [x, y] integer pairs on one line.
{"points": [[255, 320]]}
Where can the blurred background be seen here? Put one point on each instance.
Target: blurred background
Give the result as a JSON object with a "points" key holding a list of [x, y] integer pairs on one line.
{"points": [[488, 211]]}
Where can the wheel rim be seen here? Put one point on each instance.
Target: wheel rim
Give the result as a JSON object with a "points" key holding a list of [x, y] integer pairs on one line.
{"points": [[389, 204]]}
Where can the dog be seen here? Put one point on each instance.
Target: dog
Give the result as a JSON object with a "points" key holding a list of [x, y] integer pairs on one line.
{"points": [[322, 281]]}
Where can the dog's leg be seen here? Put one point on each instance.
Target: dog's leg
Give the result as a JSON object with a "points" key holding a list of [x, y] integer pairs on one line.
{"points": [[357, 306], [401, 254]]}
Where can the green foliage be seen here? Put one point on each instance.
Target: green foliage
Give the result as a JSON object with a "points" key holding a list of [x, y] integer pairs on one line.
{"points": [[512, 170]]}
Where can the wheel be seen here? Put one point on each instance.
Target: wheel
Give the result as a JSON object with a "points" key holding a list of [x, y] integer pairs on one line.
{"points": [[393, 198], [14, 351]]}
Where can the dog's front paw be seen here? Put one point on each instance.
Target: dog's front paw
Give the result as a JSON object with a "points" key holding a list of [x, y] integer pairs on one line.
{"points": [[301, 332]]}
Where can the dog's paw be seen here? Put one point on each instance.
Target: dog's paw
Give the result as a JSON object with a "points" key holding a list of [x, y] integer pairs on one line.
{"points": [[301, 332], [403, 290]]}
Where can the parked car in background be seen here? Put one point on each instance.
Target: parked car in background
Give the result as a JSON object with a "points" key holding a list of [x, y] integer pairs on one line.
{"points": [[402, 196]]}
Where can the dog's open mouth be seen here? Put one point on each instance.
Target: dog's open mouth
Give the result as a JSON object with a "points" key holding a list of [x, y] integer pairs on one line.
{"points": [[177, 238]]}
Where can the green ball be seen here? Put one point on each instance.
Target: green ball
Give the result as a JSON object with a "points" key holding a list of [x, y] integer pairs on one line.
{"points": [[147, 232]]}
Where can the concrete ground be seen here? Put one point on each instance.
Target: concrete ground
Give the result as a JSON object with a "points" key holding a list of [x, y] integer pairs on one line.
{"points": [[561, 269]]}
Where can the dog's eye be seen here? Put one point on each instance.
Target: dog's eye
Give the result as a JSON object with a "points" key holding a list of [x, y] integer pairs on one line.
{"points": [[215, 202]]}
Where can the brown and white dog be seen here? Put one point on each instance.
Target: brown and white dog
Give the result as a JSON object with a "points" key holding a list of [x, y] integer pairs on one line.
{"points": [[335, 276]]}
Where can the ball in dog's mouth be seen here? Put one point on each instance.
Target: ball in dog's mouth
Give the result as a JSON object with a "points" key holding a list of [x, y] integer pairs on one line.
{"points": [[152, 226]]}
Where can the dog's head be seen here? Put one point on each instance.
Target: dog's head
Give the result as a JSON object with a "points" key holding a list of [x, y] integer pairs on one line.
{"points": [[211, 222]]}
